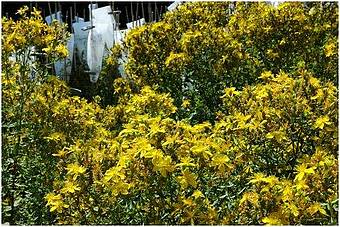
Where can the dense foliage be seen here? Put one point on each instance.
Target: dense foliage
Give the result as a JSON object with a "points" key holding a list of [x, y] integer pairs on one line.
{"points": [[265, 150], [27, 96], [200, 48], [259, 164]]}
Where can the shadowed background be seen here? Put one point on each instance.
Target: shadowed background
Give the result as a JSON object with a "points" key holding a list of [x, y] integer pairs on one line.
{"points": [[130, 11]]}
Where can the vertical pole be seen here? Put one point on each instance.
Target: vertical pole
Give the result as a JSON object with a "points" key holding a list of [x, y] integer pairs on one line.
{"points": [[156, 12], [127, 15], [149, 12], [73, 61], [75, 9], [60, 8], [112, 6], [50, 10], [143, 11], [91, 15], [117, 18], [137, 17], [114, 22], [74, 56], [55, 9], [132, 16], [71, 19], [65, 76]]}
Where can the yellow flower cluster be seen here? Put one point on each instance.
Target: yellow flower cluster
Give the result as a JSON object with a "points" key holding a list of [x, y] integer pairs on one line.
{"points": [[174, 172], [31, 31], [201, 47], [269, 157]]}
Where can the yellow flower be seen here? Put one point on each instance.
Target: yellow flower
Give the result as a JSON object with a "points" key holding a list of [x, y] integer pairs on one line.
{"points": [[319, 95], [61, 50], [163, 165], [301, 185], [272, 219], [70, 187], [60, 154], [187, 179], [314, 82], [251, 197], [56, 202], [330, 49], [316, 207], [262, 93], [22, 11], [155, 128], [271, 180], [242, 120], [221, 161], [321, 122], [258, 177], [171, 139], [302, 170], [56, 136], [231, 92], [293, 209], [75, 170], [188, 202], [185, 103], [272, 54], [115, 173], [49, 38], [175, 58], [36, 13], [266, 75], [197, 194], [144, 148], [278, 135], [287, 193], [120, 188], [201, 148], [186, 162], [48, 49]]}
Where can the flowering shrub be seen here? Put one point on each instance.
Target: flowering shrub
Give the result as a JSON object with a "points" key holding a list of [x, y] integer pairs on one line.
{"points": [[202, 47], [30, 31], [288, 129], [291, 35], [176, 54], [110, 72], [27, 95], [270, 156], [258, 164]]}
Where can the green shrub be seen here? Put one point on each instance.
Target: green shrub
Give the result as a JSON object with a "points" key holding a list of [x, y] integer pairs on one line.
{"points": [[269, 157], [27, 164], [200, 48], [148, 168]]}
